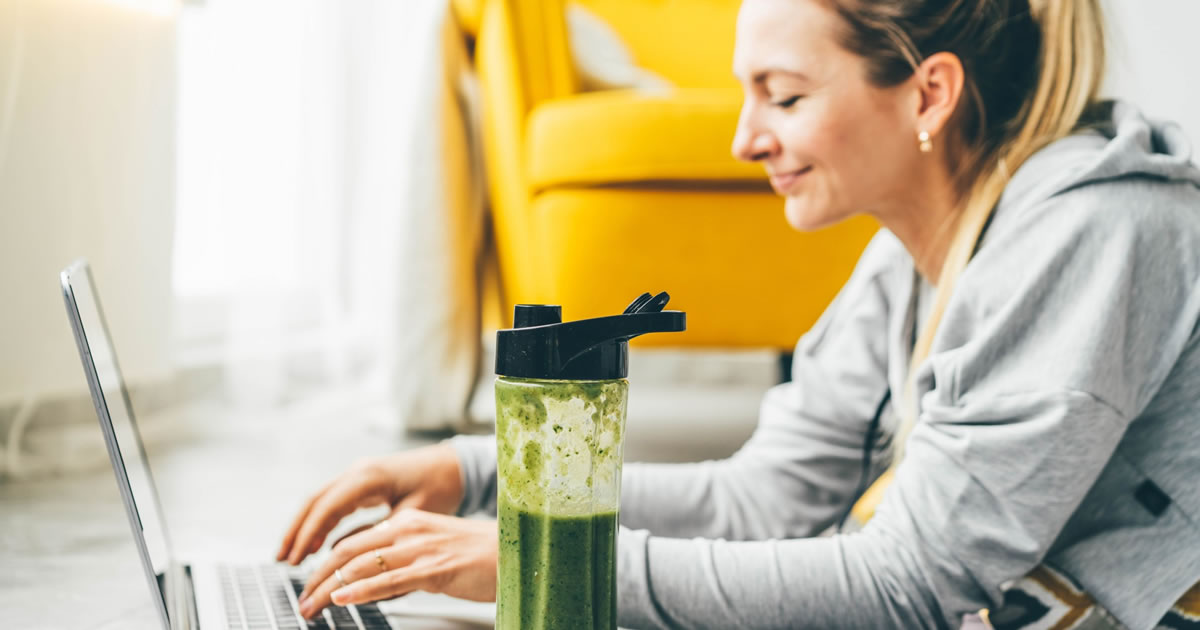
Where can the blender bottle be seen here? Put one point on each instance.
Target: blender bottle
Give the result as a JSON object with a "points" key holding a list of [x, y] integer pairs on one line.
{"points": [[561, 396]]}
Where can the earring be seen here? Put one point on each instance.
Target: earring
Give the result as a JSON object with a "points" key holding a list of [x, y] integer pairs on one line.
{"points": [[926, 144]]}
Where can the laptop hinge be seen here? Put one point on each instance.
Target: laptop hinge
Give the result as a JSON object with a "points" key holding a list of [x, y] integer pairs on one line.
{"points": [[181, 597]]}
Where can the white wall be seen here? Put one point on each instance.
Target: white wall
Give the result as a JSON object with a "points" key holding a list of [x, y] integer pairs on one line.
{"points": [[87, 129], [1154, 57]]}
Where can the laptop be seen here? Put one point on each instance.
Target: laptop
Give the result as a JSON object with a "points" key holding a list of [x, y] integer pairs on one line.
{"points": [[200, 595]]}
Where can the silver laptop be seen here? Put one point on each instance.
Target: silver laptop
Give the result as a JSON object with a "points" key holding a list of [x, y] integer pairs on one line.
{"points": [[203, 595]]}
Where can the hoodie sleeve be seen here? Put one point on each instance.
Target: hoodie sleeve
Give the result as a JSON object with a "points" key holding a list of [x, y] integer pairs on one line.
{"points": [[1061, 331], [803, 463], [477, 465]]}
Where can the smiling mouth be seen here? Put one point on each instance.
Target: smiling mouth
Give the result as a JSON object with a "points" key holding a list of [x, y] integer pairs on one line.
{"points": [[782, 182]]}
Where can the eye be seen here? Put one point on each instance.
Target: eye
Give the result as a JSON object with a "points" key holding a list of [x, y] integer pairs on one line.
{"points": [[786, 103]]}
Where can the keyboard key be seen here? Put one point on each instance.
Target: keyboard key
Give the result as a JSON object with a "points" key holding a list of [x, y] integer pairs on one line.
{"points": [[245, 601]]}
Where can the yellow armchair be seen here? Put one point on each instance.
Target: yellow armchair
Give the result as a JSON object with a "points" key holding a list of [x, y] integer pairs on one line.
{"points": [[599, 196]]}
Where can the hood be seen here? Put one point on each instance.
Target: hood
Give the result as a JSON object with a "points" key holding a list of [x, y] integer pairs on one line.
{"points": [[1121, 143]]}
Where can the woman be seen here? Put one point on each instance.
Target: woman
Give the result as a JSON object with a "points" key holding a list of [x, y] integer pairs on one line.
{"points": [[1029, 313]]}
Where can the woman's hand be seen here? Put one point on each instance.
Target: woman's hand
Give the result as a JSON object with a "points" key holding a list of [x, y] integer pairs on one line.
{"points": [[412, 550], [426, 479]]}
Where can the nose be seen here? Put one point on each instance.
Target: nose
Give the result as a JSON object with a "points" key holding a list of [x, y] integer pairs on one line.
{"points": [[751, 143]]}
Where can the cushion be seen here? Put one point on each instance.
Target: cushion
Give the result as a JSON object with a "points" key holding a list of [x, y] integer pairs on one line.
{"points": [[625, 136]]}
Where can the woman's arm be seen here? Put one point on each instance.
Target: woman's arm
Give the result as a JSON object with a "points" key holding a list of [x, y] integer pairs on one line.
{"points": [[801, 467], [948, 532], [477, 461]]}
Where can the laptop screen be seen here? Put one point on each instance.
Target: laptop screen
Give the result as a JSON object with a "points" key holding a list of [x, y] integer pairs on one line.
{"points": [[111, 398]]}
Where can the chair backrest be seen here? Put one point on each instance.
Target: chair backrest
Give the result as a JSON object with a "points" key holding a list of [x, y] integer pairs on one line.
{"points": [[689, 42], [523, 58], [539, 45]]}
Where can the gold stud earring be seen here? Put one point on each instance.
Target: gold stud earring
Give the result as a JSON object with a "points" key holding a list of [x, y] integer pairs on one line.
{"points": [[926, 143]]}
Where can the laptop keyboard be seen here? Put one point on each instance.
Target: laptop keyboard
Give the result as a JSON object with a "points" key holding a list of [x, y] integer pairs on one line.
{"points": [[264, 598]]}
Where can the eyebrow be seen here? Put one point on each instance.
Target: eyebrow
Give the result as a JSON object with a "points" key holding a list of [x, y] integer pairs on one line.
{"points": [[762, 75]]}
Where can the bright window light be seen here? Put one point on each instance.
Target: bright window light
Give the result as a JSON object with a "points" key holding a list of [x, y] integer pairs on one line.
{"points": [[156, 7]]}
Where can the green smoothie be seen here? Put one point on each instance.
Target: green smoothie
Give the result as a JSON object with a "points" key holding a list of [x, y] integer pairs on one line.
{"points": [[559, 463], [556, 571]]}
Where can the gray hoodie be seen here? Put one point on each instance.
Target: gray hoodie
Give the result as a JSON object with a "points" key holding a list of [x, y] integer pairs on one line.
{"points": [[1059, 422]]}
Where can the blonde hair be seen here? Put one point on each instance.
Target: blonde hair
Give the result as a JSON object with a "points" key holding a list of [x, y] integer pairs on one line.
{"points": [[1015, 103]]}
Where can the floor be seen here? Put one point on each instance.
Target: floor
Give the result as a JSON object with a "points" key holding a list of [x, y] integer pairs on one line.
{"points": [[229, 481]]}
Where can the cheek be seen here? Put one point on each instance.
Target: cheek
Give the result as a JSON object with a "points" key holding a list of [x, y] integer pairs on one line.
{"points": [[849, 151], [857, 157], [876, 151], [830, 139], [808, 139], [834, 147], [854, 153], [827, 145]]}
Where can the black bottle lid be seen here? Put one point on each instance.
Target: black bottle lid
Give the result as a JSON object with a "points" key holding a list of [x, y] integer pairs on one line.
{"points": [[540, 345]]}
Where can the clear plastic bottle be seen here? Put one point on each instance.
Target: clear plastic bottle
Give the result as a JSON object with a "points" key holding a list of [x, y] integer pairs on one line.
{"points": [[561, 399], [559, 446]]}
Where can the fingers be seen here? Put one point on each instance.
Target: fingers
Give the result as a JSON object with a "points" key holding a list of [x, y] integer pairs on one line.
{"points": [[417, 551], [294, 528], [388, 585], [426, 479], [345, 550], [361, 567], [329, 508], [357, 530]]}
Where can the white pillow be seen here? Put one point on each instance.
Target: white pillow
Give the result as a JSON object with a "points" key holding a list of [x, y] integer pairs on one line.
{"points": [[602, 59]]}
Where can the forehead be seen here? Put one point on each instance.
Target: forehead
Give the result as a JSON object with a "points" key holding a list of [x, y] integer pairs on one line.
{"points": [[796, 35]]}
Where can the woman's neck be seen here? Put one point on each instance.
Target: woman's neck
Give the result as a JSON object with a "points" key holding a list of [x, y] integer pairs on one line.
{"points": [[926, 223]]}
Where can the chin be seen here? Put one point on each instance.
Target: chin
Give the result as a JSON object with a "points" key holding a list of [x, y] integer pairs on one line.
{"points": [[805, 216]]}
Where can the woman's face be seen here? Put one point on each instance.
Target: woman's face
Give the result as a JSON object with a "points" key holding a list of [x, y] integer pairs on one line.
{"points": [[833, 144]]}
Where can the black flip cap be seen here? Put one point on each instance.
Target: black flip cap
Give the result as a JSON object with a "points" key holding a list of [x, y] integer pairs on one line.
{"points": [[540, 345]]}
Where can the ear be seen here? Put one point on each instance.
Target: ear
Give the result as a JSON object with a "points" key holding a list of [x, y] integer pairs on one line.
{"points": [[939, 83]]}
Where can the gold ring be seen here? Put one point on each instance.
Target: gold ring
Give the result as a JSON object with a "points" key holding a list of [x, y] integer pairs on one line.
{"points": [[379, 561], [338, 574]]}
